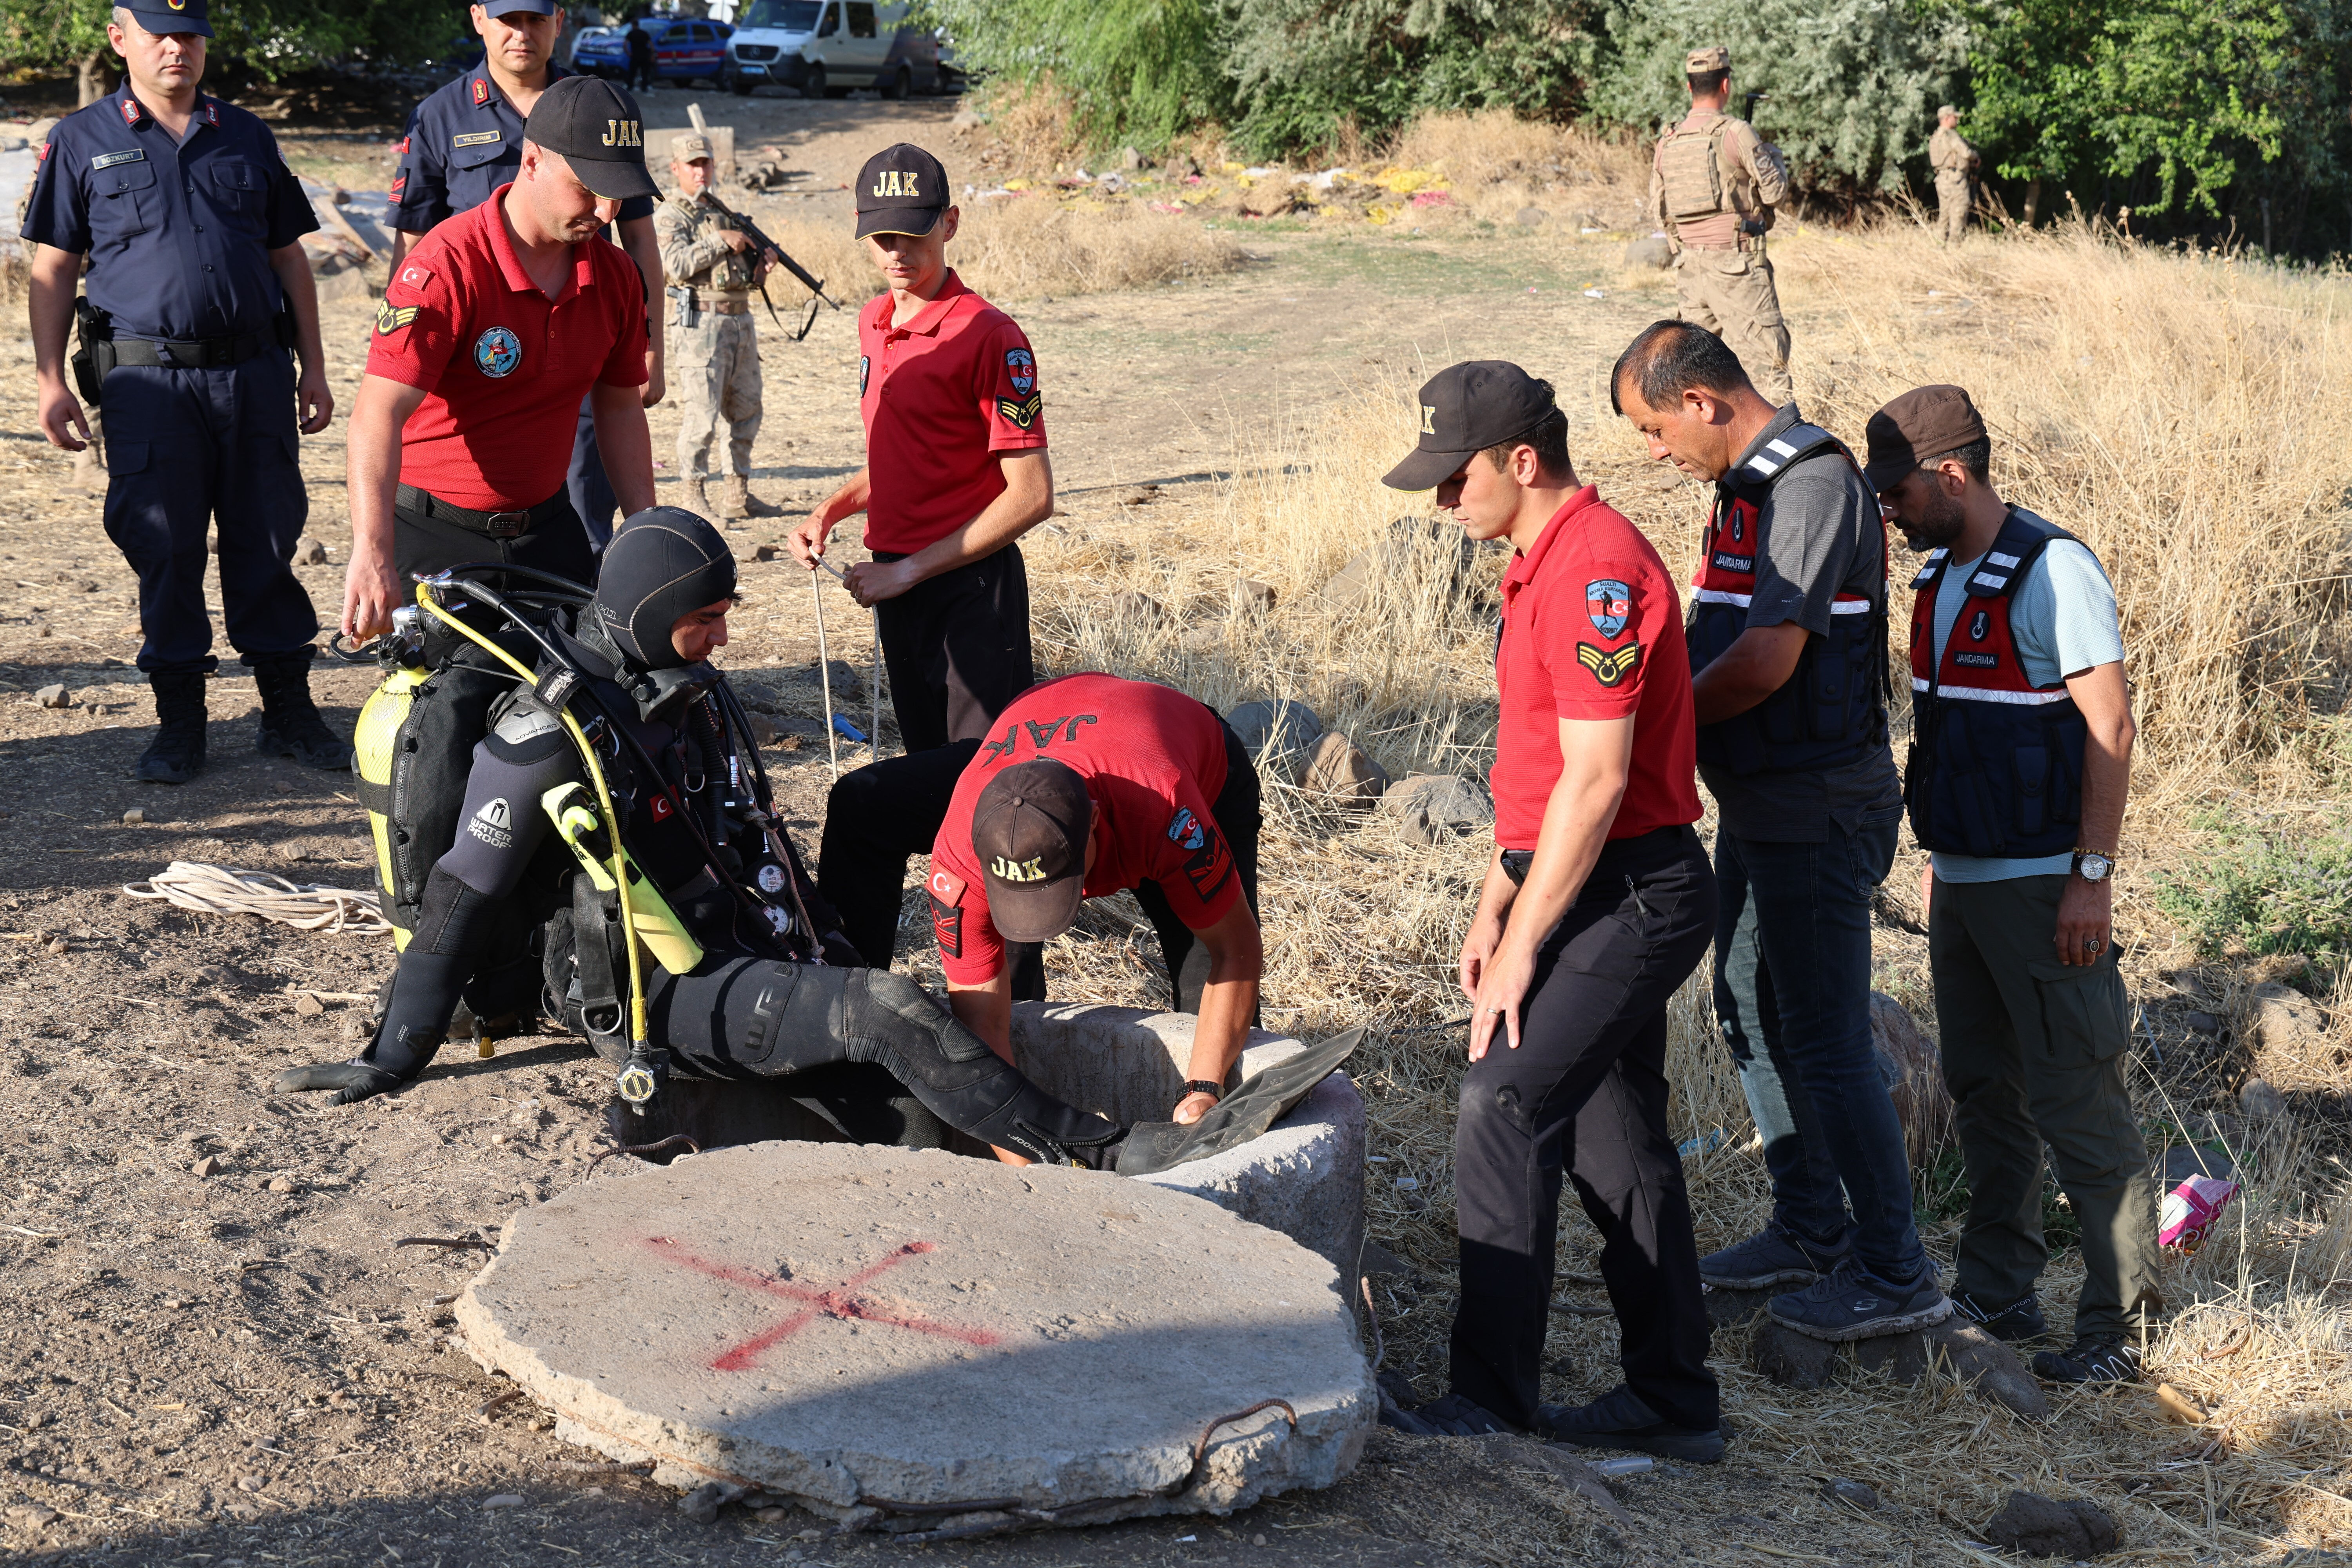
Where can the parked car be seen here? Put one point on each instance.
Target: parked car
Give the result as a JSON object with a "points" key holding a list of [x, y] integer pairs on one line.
{"points": [[684, 49], [826, 48]]}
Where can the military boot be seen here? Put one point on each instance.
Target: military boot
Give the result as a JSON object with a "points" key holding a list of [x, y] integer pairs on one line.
{"points": [[290, 725], [694, 501], [176, 754], [742, 502]]}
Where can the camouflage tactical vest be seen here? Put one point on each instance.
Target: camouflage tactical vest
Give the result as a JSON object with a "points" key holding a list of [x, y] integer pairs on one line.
{"points": [[1690, 170]]}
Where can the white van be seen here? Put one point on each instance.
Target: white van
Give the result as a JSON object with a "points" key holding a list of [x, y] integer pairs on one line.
{"points": [[826, 48]]}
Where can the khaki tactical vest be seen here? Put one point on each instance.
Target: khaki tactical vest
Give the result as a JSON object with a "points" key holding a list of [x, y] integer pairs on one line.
{"points": [[1690, 168]]}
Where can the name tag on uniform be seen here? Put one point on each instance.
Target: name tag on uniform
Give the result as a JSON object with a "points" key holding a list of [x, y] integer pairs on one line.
{"points": [[474, 138], [107, 160]]}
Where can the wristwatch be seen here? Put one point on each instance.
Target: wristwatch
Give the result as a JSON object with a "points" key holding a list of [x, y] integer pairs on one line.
{"points": [[1193, 1086], [2094, 867]]}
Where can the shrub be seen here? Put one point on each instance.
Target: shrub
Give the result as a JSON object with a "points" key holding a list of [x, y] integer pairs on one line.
{"points": [[2265, 891]]}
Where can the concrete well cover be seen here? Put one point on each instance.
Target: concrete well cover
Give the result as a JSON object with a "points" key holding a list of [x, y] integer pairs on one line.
{"points": [[861, 1326]]}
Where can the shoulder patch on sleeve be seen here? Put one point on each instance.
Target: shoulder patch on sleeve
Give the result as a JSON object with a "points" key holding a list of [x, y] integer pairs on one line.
{"points": [[946, 895], [1609, 668], [1020, 412], [415, 275], [391, 318], [947, 888]]}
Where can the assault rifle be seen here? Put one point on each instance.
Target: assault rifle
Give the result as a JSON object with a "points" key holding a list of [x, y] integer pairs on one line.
{"points": [[1752, 99], [760, 245]]}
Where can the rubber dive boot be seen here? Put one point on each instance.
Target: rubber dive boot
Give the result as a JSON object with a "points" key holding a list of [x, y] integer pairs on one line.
{"points": [[290, 725], [1262, 1099], [351, 1081], [176, 754], [1033, 1124], [742, 502]]}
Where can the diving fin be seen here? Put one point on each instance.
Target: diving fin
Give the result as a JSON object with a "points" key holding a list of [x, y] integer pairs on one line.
{"points": [[1262, 1099]]}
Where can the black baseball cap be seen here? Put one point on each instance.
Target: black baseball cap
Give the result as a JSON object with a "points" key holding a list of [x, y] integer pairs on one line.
{"points": [[597, 127], [1029, 830], [902, 190], [1464, 409], [160, 17]]}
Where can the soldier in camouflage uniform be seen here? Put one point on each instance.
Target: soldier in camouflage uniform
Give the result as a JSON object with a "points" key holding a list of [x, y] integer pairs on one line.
{"points": [[1955, 168], [1713, 185], [712, 266]]}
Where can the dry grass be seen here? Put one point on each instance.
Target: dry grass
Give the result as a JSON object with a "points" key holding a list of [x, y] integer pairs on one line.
{"points": [[2160, 406], [1497, 166], [1021, 246]]}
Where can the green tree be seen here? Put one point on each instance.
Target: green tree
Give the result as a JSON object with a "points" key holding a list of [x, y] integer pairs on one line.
{"points": [[1137, 70], [268, 38], [1854, 85]]}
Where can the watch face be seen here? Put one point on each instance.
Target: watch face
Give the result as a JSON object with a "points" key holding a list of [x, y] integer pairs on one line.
{"points": [[2094, 868]]}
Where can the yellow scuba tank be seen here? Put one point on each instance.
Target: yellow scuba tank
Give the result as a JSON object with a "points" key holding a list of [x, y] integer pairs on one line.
{"points": [[573, 808], [375, 743]]}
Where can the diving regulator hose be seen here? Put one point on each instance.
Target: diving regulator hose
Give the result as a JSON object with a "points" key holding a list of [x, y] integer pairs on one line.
{"points": [[641, 1078]]}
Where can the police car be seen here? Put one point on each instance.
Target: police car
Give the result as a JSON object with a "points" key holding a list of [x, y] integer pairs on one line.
{"points": [[826, 48], [683, 49]]}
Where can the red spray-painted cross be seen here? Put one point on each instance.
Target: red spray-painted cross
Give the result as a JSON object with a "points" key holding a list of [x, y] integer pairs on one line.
{"points": [[841, 1301]]}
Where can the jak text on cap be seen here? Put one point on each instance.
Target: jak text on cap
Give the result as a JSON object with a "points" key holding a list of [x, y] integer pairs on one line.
{"points": [[902, 190], [595, 125], [1029, 830], [1923, 424], [1464, 409]]}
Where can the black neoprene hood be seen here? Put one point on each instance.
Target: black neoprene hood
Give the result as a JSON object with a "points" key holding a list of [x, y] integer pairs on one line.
{"points": [[663, 563]]}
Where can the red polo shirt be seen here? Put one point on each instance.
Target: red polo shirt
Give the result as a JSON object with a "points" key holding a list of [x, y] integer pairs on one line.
{"points": [[942, 396], [502, 366], [1152, 758], [1592, 628]]}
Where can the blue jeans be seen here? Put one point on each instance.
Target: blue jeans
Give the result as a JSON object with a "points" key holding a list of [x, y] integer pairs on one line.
{"points": [[1792, 974]]}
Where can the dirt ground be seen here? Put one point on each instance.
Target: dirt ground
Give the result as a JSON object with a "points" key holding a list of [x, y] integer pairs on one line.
{"points": [[246, 1365]]}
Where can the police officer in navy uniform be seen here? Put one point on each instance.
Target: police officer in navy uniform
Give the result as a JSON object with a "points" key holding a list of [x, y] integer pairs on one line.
{"points": [[464, 141], [192, 226]]}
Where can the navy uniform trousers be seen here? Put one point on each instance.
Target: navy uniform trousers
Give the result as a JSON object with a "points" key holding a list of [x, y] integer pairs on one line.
{"points": [[186, 448], [1585, 1091]]}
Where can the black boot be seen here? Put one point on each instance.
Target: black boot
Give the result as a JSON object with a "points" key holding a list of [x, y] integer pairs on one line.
{"points": [[290, 725], [176, 754]]}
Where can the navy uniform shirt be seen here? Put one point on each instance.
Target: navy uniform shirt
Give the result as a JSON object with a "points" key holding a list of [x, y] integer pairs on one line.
{"points": [[464, 141], [178, 233]]}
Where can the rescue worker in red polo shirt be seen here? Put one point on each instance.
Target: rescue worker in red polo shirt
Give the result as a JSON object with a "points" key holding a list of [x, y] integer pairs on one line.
{"points": [[955, 471], [1598, 904], [1091, 784], [496, 324]]}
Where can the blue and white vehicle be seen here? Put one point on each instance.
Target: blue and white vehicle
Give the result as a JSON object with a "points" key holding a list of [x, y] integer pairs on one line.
{"points": [[827, 48]]}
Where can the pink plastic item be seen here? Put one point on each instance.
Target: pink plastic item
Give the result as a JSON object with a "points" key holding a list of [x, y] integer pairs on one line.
{"points": [[2189, 1211]]}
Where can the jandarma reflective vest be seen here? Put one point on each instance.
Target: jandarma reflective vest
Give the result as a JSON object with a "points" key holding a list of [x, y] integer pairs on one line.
{"points": [[1833, 708], [1996, 763]]}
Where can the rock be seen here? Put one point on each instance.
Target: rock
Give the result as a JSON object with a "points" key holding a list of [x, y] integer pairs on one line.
{"points": [[53, 696], [250, 1483], [308, 1007], [1338, 768], [209, 1165], [1136, 495], [1793, 1360], [32, 1517], [2257, 1099], [1989, 1368], [764, 730], [1653, 252], [1279, 735], [281, 1183], [1253, 594], [1140, 608], [136, 816], [1304, 1176], [1433, 807], [1913, 1071], [308, 552], [1130, 159], [58, 947], [827, 1322], [764, 552], [1728, 1308], [1415, 555], [2044, 1527], [967, 120], [2289, 1033], [1531, 217], [2182, 1161], [1269, 198], [504, 1499], [701, 1505], [2201, 1024], [1859, 1494]]}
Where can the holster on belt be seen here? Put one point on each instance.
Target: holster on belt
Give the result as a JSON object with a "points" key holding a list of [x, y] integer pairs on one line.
{"points": [[686, 306], [93, 359]]}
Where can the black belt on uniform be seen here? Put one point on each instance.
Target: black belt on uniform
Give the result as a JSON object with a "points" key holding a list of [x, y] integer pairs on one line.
{"points": [[203, 354], [494, 525], [1517, 861]]}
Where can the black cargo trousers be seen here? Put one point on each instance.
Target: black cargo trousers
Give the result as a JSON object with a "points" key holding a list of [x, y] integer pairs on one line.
{"points": [[1586, 1092]]}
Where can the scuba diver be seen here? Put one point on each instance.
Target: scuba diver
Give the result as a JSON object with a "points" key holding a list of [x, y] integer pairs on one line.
{"points": [[738, 970]]}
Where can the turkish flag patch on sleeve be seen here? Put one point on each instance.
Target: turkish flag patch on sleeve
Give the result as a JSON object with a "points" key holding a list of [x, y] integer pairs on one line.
{"points": [[946, 893]]}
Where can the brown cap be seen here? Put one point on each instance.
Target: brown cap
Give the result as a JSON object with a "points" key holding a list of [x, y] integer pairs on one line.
{"points": [[1917, 428], [1714, 57], [689, 145], [1948, 108], [1029, 830]]}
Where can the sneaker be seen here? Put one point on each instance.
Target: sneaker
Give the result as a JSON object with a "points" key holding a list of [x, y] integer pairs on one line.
{"points": [[1848, 1304], [2089, 1360], [2020, 1320], [1621, 1419], [1455, 1415], [1773, 1256]]}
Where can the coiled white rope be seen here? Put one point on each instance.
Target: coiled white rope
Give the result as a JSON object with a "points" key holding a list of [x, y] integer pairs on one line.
{"points": [[227, 891]]}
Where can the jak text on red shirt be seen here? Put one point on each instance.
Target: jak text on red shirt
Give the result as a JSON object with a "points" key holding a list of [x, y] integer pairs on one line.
{"points": [[942, 396], [502, 365], [1593, 629], [1152, 759]]}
